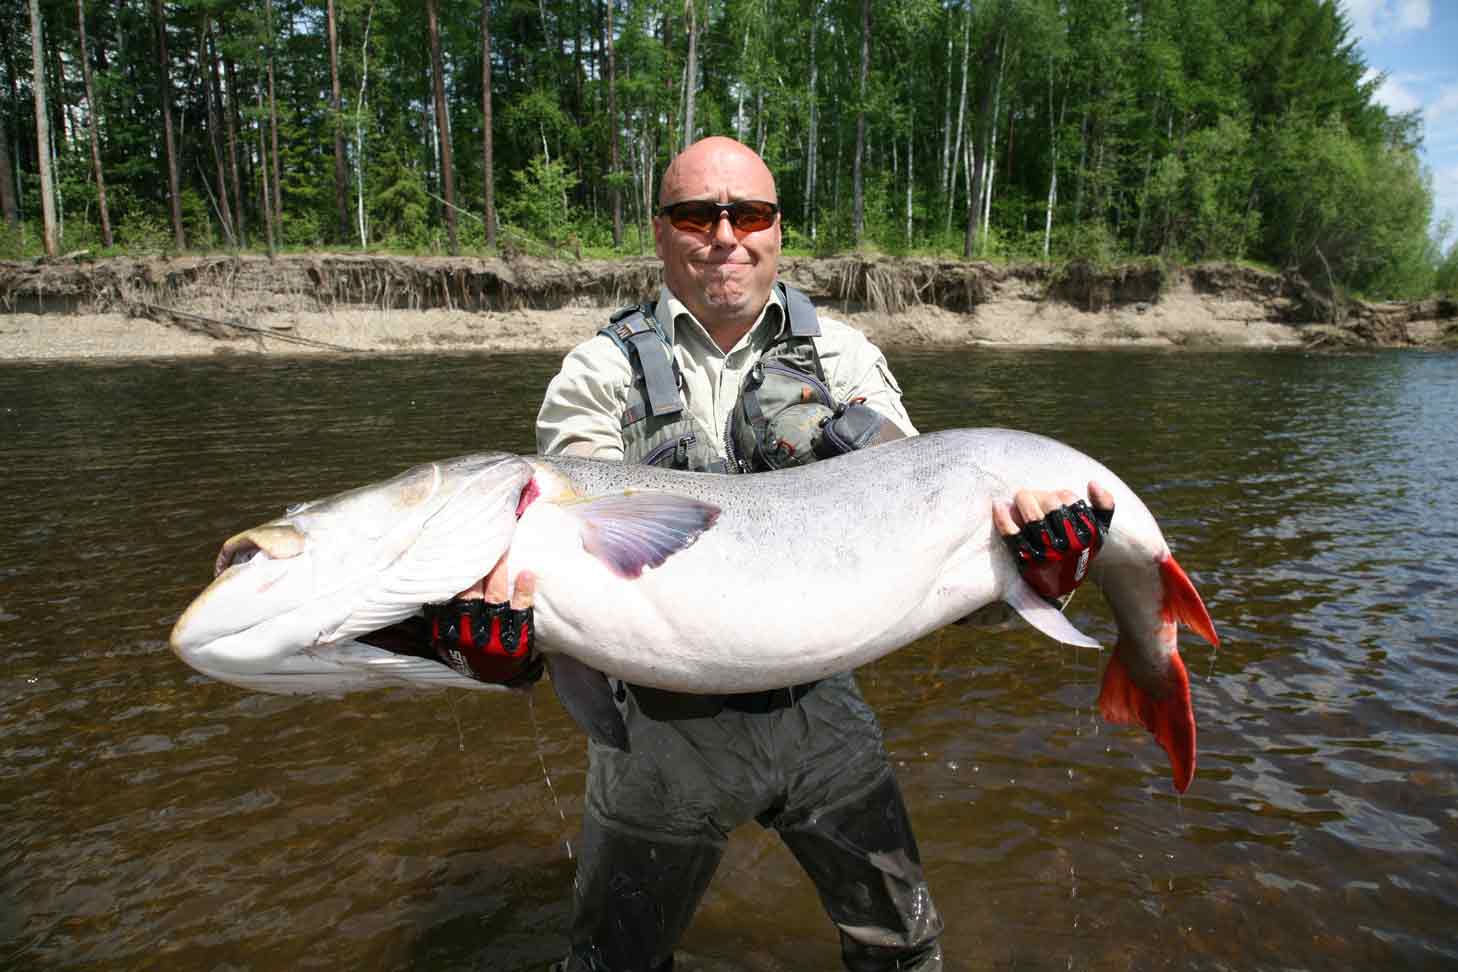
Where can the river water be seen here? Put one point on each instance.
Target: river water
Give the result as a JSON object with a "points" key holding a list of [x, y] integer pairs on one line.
{"points": [[152, 819]]}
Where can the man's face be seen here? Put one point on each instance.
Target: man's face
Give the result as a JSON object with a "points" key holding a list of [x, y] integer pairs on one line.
{"points": [[724, 275]]}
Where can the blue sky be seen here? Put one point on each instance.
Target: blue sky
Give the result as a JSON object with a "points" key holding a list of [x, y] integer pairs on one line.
{"points": [[1415, 44]]}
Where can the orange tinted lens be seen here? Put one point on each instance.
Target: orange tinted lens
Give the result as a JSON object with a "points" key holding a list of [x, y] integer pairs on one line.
{"points": [[752, 216], [700, 215], [694, 216]]}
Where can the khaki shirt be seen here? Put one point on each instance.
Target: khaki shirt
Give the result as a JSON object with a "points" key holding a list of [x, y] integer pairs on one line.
{"points": [[581, 413]]}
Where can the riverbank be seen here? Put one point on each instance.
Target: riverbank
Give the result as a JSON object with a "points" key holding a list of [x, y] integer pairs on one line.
{"points": [[322, 303]]}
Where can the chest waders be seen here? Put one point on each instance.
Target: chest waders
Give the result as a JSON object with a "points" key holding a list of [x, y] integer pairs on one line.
{"points": [[660, 430], [657, 813]]}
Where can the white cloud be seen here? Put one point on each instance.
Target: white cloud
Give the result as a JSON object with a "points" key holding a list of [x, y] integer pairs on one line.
{"points": [[1444, 104], [1374, 19], [1414, 15], [1394, 94]]}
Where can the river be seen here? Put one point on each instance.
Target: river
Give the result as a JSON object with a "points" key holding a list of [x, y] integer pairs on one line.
{"points": [[150, 818]]}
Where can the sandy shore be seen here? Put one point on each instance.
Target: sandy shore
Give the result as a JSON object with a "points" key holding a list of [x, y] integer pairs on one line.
{"points": [[1180, 318]]}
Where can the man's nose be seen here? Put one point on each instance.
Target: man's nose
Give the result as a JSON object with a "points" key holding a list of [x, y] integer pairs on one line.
{"points": [[723, 232]]}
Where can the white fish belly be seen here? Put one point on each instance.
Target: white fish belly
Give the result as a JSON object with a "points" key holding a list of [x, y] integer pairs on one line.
{"points": [[783, 589]]}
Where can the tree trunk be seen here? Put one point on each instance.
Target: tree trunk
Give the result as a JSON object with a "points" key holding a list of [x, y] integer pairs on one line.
{"points": [[488, 161], [670, 140], [360, 104], [42, 132], [442, 124], [209, 73], [61, 126], [951, 180], [7, 178], [267, 208], [910, 172], [165, 86], [812, 152], [341, 175], [981, 134], [230, 115], [1053, 125], [94, 115], [615, 193], [12, 164], [277, 160], [858, 191], [946, 123], [690, 72], [989, 165]]}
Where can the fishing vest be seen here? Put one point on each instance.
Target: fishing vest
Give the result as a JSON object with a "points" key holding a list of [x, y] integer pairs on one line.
{"points": [[659, 430]]}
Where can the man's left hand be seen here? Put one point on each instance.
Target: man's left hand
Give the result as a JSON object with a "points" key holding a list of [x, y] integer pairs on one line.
{"points": [[1054, 535]]}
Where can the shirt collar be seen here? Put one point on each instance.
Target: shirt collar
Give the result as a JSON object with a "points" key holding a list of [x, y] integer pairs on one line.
{"points": [[772, 319]]}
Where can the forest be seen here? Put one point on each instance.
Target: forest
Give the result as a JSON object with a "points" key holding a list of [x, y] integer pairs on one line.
{"points": [[1012, 130]]}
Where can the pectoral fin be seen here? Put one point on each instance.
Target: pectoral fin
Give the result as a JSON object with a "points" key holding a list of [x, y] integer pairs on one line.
{"points": [[588, 698], [632, 531], [1044, 616]]}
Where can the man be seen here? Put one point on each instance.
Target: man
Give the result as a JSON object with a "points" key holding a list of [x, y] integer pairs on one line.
{"points": [[663, 384]]}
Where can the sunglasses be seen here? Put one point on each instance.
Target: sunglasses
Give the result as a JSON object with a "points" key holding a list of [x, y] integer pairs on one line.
{"points": [[702, 215]]}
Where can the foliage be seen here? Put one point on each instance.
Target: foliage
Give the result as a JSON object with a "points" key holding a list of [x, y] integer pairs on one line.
{"points": [[1446, 277], [1185, 129], [539, 206], [1347, 210]]}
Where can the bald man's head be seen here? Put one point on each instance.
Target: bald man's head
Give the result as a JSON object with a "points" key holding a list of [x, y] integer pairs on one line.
{"points": [[714, 152], [723, 274]]}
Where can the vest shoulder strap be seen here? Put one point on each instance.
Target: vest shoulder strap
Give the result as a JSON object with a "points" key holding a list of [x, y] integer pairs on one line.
{"points": [[803, 321], [636, 333]]}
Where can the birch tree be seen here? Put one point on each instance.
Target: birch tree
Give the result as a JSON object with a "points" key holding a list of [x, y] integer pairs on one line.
{"points": [[690, 72], [277, 181], [43, 133], [336, 104], [93, 114], [615, 194], [858, 204], [488, 157]]}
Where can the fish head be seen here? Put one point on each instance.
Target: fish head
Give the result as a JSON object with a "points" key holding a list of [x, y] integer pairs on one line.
{"points": [[330, 569]]}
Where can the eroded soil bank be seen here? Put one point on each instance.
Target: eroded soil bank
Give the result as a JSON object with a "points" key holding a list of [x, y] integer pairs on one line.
{"points": [[321, 302]]}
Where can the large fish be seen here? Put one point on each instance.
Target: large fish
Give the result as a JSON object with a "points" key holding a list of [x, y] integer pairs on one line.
{"points": [[692, 582]]}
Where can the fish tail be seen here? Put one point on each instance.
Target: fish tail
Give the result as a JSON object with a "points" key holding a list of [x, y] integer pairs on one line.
{"points": [[1165, 711], [1152, 689]]}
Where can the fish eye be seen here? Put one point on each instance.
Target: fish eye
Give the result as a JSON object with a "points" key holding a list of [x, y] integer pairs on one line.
{"points": [[295, 508]]}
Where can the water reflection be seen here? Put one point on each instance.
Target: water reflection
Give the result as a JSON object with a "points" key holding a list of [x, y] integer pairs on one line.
{"points": [[155, 819]]}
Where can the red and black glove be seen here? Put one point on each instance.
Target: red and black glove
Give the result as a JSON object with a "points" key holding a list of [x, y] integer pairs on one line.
{"points": [[487, 642], [1054, 553]]}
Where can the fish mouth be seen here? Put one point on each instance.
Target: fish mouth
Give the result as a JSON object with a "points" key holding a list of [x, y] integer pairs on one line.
{"points": [[274, 541]]}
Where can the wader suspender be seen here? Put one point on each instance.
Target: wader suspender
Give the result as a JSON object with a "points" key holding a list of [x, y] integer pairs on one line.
{"points": [[636, 332]]}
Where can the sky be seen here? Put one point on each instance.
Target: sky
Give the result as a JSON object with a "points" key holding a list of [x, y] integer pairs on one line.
{"points": [[1414, 43]]}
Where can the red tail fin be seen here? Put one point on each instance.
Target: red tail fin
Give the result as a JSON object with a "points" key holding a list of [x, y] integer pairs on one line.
{"points": [[1182, 602], [1166, 713]]}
